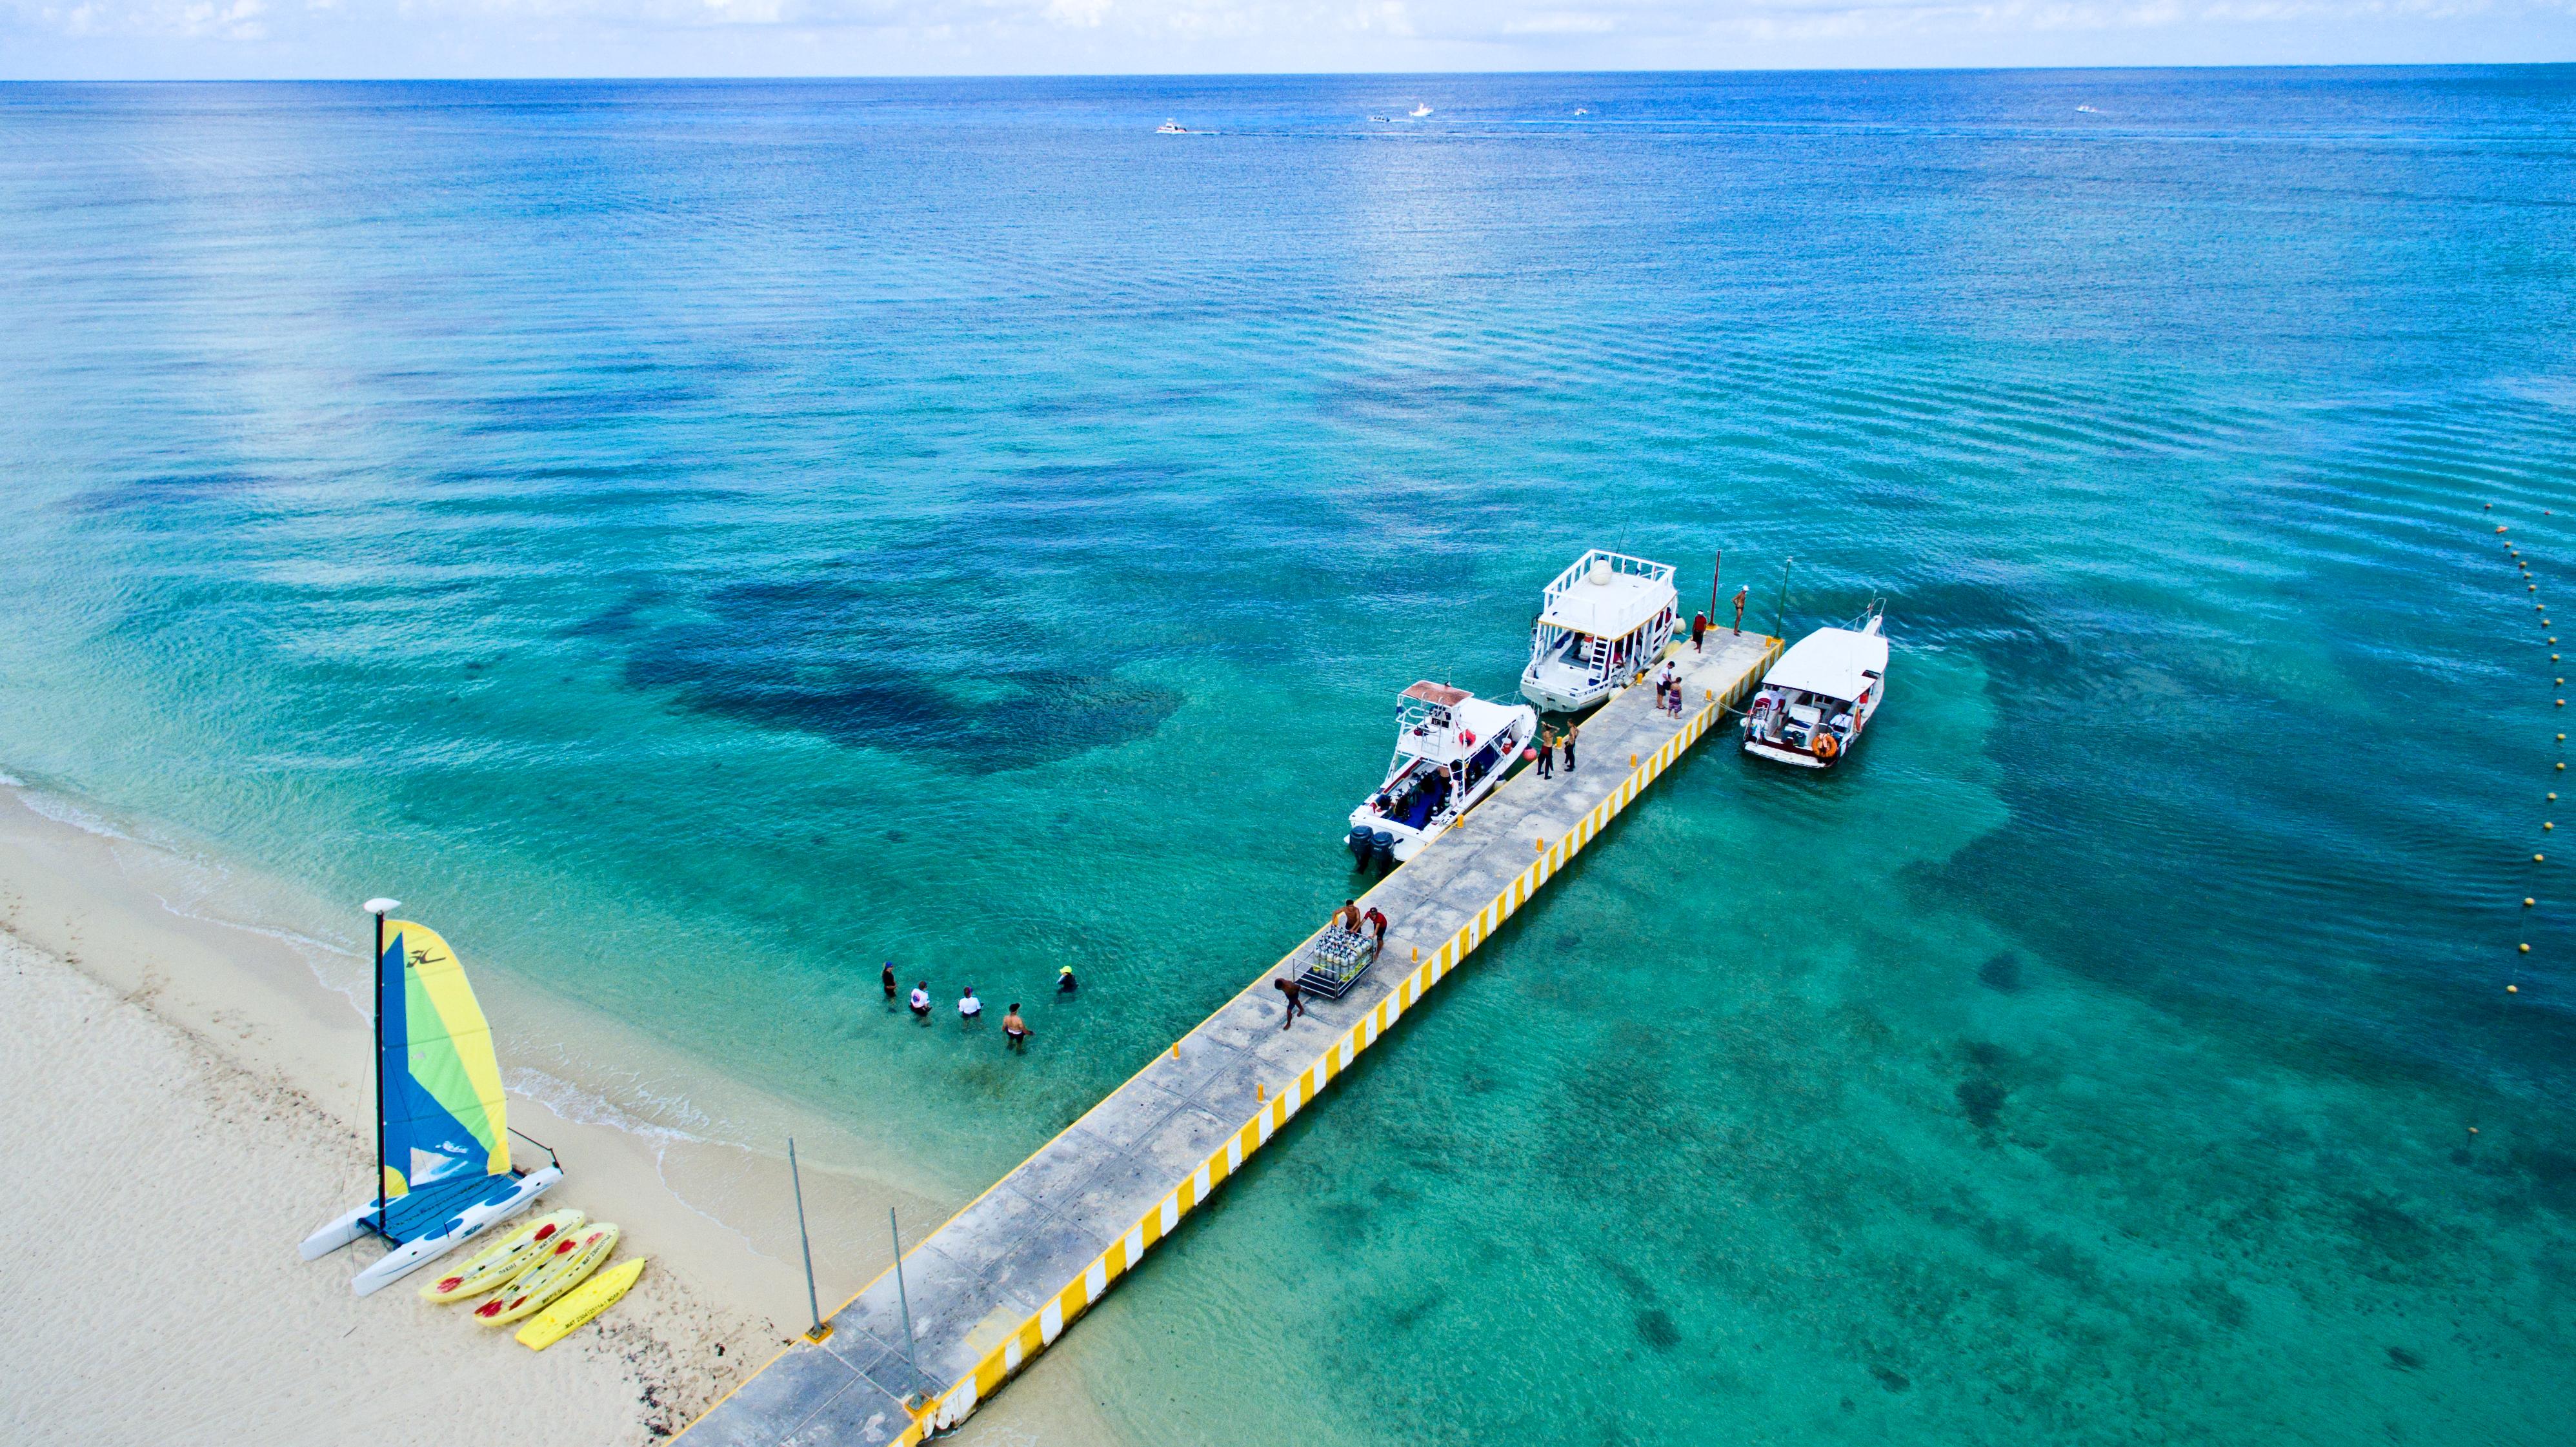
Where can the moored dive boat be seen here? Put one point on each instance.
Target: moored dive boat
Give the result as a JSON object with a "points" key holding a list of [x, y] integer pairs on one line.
{"points": [[1451, 749], [1815, 701], [1601, 625]]}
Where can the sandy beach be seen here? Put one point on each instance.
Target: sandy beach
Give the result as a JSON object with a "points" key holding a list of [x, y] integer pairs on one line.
{"points": [[185, 1097]]}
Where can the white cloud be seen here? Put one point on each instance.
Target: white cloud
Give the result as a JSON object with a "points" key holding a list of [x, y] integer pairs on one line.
{"points": [[864, 37]]}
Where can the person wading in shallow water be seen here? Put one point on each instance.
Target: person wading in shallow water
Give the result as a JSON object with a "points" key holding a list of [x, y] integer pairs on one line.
{"points": [[1064, 980], [1015, 1031], [969, 1009], [921, 1001], [1296, 1000], [887, 976]]}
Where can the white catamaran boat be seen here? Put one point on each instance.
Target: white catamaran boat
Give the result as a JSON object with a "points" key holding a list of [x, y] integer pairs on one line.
{"points": [[1603, 623], [442, 1132], [1451, 749], [1815, 701]]}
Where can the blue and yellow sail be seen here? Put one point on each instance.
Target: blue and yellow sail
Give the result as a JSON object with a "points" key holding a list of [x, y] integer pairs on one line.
{"points": [[439, 1082]]}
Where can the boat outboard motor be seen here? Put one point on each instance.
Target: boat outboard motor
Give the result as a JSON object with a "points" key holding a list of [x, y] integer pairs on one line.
{"points": [[1382, 844], [1363, 844]]}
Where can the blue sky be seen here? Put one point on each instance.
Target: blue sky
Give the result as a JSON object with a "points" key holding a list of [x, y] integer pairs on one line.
{"points": [[261, 38]]}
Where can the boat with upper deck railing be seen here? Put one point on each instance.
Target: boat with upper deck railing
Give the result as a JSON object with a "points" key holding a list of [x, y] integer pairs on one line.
{"points": [[1601, 625], [1451, 749]]}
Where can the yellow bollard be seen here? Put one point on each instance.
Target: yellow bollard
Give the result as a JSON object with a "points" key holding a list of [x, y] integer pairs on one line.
{"points": [[1176, 1050], [1260, 1095], [1538, 846], [1632, 761]]}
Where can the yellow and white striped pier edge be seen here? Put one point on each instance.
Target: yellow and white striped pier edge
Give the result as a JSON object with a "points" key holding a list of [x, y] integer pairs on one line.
{"points": [[1039, 1331]]}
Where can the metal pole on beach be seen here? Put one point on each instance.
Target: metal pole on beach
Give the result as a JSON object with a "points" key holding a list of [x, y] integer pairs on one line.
{"points": [[901, 1298], [376, 1007], [1780, 614], [813, 1305]]}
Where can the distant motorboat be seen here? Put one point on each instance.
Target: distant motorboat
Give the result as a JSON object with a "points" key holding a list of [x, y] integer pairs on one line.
{"points": [[2088, 110], [1419, 111], [1580, 111], [1171, 128]]}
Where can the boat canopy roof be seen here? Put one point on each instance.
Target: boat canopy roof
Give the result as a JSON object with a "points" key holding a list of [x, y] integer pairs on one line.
{"points": [[1478, 718], [1606, 603], [1439, 693], [1836, 662]]}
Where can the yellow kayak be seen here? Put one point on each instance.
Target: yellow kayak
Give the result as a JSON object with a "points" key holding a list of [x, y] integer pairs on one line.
{"points": [[579, 1305], [575, 1255], [505, 1259]]}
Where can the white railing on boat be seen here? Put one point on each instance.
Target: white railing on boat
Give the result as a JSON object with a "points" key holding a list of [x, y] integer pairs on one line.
{"points": [[1619, 563]]}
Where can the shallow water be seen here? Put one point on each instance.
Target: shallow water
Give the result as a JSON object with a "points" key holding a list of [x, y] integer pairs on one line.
{"points": [[697, 542]]}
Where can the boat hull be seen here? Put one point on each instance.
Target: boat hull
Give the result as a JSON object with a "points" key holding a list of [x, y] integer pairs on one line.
{"points": [[421, 1250], [1795, 758]]}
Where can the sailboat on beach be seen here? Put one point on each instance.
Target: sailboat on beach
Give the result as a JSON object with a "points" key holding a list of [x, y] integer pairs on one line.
{"points": [[442, 1128]]}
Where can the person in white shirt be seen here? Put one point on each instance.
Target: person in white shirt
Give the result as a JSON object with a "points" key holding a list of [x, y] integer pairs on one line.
{"points": [[968, 1007], [921, 1001]]}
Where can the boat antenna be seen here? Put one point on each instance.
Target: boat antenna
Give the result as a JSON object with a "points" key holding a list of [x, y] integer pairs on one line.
{"points": [[376, 1006], [1712, 584]]}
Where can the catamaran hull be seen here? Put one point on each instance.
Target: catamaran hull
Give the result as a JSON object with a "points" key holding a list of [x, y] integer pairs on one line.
{"points": [[415, 1253]]}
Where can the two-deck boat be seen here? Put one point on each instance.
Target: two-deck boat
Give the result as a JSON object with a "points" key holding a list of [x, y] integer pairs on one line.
{"points": [[1602, 624], [1451, 749], [1820, 695]]}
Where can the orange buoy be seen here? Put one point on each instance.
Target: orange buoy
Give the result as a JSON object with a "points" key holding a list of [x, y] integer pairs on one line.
{"points": [[2499, 529]]}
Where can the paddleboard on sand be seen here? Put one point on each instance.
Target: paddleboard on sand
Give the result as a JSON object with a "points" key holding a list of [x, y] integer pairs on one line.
{"points": [[579, 1305], [575, 1255], [500, 1264]]}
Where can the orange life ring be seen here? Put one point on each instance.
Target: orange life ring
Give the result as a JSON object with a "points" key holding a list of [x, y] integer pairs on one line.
{"points": [[1467, 738], [1826, 745]]}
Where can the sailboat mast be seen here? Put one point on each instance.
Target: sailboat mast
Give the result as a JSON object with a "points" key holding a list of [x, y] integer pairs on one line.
{"points": [[376, 1002]]}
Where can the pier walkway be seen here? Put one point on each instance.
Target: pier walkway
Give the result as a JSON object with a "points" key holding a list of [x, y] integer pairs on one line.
{"points": [[1005, 1276]]}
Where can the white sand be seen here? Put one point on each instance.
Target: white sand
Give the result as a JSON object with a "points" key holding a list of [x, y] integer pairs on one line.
{"points": [[181, 1100]]}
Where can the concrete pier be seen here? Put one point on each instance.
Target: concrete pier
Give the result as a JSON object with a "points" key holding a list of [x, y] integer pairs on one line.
{"points": [[1005, 1276]]}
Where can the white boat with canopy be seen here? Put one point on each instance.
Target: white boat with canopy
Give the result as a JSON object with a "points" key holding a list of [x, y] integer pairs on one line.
{"points": [[1815, 701], [442, 1125], [1602, 624], [1451, 749]]}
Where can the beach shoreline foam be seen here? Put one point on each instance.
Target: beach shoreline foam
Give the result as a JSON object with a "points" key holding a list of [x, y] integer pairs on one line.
{"points": [[199, 1083]]}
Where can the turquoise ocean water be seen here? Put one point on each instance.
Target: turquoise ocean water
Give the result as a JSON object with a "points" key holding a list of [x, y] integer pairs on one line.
{"points": [[696, 542]]}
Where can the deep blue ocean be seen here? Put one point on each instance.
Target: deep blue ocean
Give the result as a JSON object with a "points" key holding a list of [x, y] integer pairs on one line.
{"points": [[696, 542]]}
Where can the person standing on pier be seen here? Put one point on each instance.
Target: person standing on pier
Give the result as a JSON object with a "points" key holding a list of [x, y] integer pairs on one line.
{"points": [[1348, 916], [1547, 753], [1376, 920], [1015, 1031], [1739, 608], [1567, 739], [921, 1001], [1296, 1001], [1699, 630], [887, 977]]}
